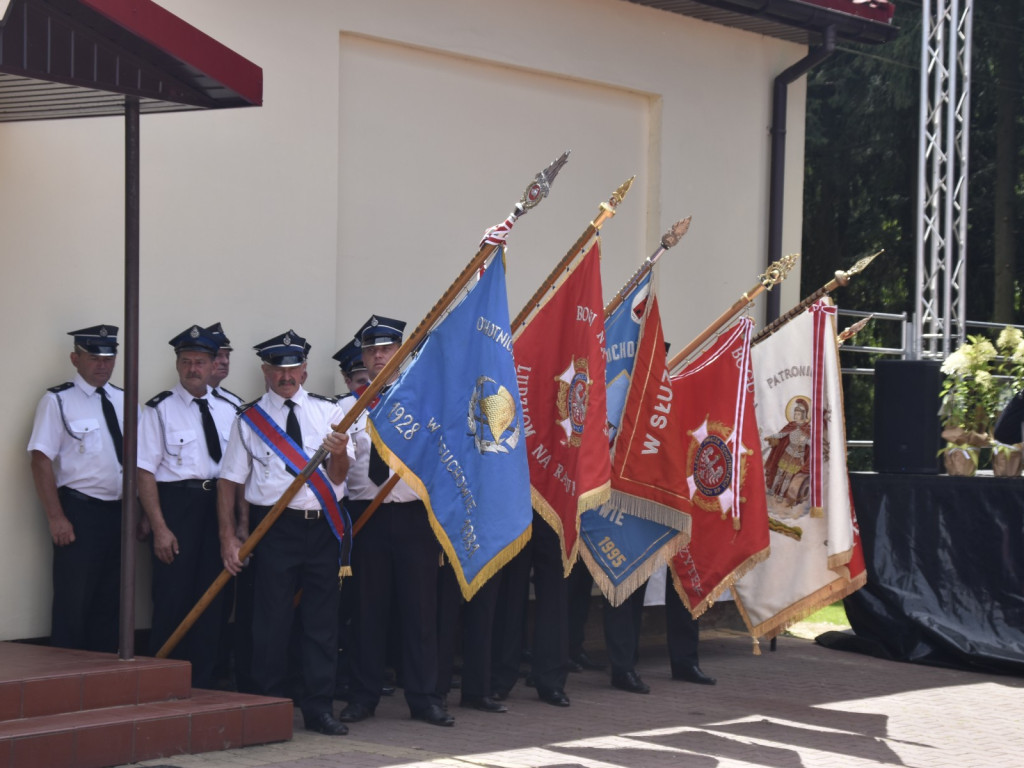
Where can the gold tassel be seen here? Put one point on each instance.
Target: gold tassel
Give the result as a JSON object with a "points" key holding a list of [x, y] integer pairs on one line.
{"points": [[345, 570]]}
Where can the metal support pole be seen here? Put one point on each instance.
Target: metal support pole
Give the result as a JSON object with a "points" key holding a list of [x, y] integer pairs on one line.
{"points": [[130, 351], [940, 307], [777, 179]]}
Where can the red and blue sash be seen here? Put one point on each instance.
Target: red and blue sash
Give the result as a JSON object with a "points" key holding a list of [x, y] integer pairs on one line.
{"points": [[296, 460]]}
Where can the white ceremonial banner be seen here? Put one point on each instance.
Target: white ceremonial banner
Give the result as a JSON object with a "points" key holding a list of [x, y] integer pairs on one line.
{"points": [[798, 400]]}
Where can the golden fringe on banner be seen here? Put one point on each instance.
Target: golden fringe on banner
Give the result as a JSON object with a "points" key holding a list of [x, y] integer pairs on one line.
{"points": [[842, 587], [617, 594], [413, 481], [726, 584], [591, 499], [647, 509]]}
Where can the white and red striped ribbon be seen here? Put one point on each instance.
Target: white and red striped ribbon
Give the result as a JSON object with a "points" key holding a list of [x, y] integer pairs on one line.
{"points": [[822, 313], [496, 235]]}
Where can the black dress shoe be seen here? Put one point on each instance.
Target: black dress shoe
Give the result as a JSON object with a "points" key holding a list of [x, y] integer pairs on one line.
{"points": [[483, 703], [585, 662], [629, 681], [355, 712], [693, 675], [326, 724], [555, 697], [500, 695], [434, 715], [387, 690]]}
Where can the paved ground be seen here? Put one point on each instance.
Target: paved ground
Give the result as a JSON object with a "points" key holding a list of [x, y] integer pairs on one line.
{"points": [[803, 706]]}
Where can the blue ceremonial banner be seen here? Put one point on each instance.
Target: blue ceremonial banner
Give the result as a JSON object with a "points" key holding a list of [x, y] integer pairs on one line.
{"points": [[621, 550], [622, 329], [452, 428]]}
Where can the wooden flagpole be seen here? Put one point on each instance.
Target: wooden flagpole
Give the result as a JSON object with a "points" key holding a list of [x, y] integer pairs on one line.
{"points": [[606, 212], [535, 192], [841, 279], [772, 276]]}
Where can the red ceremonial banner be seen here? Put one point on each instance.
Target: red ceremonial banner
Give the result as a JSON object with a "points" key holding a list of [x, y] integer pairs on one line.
{"points": [[723, 470], [646, 481], [560, 371]]}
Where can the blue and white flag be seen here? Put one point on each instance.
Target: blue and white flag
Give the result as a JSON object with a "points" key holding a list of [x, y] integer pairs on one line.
{"points": [[452, 428], [622, 330], [621, 550]]}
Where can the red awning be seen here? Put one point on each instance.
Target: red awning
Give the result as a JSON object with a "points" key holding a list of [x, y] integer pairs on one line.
{"points": [[879, 10], [80, 58]]}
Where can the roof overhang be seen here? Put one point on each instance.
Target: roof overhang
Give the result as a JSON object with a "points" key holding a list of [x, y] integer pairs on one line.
{"points": [[798, 21], [82, 58]]}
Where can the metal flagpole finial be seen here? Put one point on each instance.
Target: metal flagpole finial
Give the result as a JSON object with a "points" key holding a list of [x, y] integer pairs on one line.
{"points": [[778, 270], [675, 233], [608, 209], [860, 266], [856, 328], [541, 184], [619, 194]]}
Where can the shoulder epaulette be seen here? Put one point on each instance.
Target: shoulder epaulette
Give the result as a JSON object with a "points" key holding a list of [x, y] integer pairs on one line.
{"points": [[155, 401], [323, 397], [220, 396], [119, 389], [247, 406], [61, 387], [225, 389]]}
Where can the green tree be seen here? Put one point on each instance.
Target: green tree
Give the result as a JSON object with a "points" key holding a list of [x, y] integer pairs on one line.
{"points": [[861, 174]]}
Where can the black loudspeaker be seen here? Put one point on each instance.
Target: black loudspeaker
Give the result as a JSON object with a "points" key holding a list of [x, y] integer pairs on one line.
{"points": [[907, 427]]}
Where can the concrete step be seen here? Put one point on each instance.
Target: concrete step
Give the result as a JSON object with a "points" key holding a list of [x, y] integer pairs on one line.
{"points": [[61, 708], [208, 721], [38, 680]]}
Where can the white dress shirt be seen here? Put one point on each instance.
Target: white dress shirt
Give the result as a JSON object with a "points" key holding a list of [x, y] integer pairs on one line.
{"points": [[70, 430], [250, 461], [172, 443]]}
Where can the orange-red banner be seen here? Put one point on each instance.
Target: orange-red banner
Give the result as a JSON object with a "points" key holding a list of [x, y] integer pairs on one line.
{"points": [[646, 481], [560, 369]]}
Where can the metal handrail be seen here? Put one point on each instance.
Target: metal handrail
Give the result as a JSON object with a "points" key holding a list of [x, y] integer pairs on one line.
{"points": [[901, 352]]}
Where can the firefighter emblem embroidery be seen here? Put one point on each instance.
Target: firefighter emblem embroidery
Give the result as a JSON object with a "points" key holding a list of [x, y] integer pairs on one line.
{"points": [[572, 400], [492, 418], [711, 464]]}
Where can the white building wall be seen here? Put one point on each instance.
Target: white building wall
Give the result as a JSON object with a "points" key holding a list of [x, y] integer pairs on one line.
{"points": [[393, 132]]}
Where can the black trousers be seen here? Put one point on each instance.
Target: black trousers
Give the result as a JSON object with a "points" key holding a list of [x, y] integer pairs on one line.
{"points": [[241, 635], [551, 624], [476, 619], [395, 557], [191, 514], [579, 586], [622, 626], [87, 575], [683, 631], [296, 554], [622, 631]]}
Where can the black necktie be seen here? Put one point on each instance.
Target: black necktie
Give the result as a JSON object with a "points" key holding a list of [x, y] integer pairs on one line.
{"points": [[379, 471], [110, 416], [209, 429], [291, 426]]}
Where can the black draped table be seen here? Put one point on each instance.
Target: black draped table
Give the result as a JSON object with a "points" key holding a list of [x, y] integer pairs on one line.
{"points": [[945, 562]]}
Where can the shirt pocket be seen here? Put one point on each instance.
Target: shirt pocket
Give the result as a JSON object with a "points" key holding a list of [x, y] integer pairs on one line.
{"points": [[88, 433], [183, 445]]}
